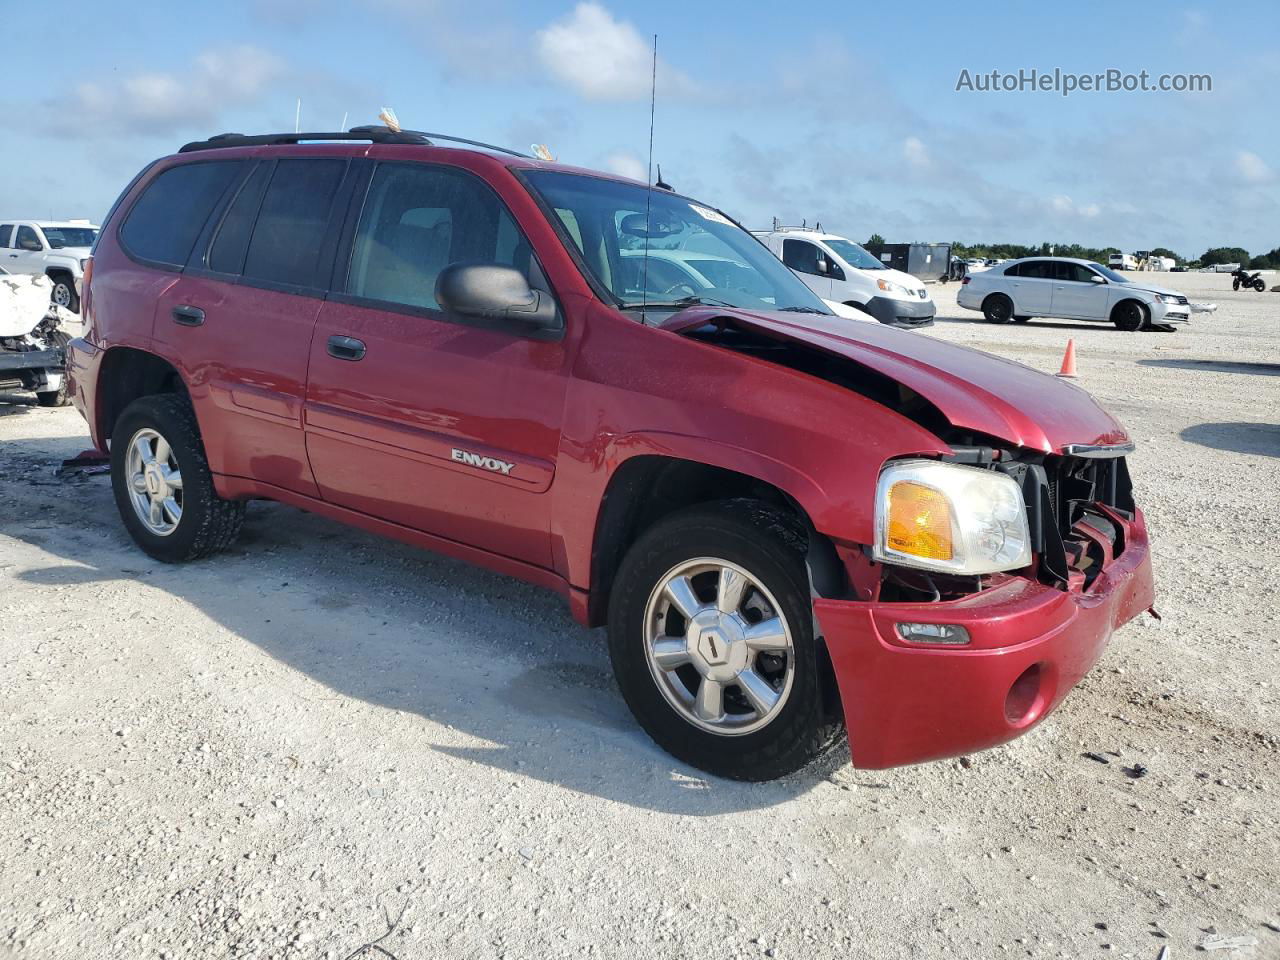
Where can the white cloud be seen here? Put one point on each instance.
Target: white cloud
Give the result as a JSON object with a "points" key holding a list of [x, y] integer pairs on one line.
{"points": [[1252, 167], [1064, 205], [160, 103], [914, 152], [627, 164], [601, 58]]}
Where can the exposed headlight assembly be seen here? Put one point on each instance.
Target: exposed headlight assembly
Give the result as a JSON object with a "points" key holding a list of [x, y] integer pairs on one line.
{"points": [[950, 518]]}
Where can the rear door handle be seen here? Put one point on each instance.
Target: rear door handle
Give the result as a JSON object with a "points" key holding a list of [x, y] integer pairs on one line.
{"points": [[188, 316], [346, 348]]}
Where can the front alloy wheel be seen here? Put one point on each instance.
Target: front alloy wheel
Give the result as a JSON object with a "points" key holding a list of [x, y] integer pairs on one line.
{"points": [[718, 648], [712, 642]]}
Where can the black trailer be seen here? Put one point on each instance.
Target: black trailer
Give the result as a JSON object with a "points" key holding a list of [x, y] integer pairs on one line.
{"points": [[925, 261]]}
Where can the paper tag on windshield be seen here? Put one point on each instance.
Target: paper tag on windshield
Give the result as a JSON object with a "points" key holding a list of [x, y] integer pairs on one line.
{"points": [[711, 215]]}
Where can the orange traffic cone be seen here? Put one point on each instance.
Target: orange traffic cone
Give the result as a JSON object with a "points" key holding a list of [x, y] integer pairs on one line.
{"points": [[1069, 361]]}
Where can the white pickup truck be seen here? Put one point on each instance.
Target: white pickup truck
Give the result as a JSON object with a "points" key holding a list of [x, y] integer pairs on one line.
{"points": [[56, 249]]}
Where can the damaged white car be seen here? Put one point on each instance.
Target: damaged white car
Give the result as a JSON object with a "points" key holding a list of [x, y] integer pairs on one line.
{"points": [[32, 345]]}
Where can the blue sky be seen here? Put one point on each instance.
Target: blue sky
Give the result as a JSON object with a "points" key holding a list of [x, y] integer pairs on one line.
{"points": [[842, 113]]}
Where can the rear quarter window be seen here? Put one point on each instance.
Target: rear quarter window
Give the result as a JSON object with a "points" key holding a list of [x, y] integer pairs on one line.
{"points": [[163, 224]]}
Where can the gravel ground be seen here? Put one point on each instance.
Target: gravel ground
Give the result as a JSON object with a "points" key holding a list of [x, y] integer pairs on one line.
{"points": [[320, 739]]}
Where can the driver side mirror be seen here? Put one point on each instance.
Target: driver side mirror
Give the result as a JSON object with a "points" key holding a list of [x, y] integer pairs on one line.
{"points": [[1097, 279], [497, 293], [822, 265]]}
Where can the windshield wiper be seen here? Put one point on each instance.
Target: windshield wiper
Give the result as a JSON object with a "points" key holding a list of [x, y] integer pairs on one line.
{"points": [[680, 304], [821, 313]]}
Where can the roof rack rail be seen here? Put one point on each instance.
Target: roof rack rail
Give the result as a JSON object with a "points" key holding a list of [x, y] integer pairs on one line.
{"points": [[371, 133], [803, 225]]}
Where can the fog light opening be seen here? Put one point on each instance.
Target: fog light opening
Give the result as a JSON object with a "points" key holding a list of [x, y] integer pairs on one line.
{"points": [[1025, 700], [944, 633]]}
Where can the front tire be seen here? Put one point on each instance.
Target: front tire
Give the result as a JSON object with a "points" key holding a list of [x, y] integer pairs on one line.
{"points": [[54, 398], [997, 308], [1260, 285], [64, 293], [1130, 316], [162, 483], [711, 638]]}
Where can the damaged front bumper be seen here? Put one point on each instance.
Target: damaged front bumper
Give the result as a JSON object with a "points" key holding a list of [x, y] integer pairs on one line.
{"points": [[12, 361], [1029, 644]]}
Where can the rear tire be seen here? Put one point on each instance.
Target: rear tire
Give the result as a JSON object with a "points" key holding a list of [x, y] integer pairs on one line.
{"points": [[780, 717], [997, 308], [168, 504], [1130, 316]]}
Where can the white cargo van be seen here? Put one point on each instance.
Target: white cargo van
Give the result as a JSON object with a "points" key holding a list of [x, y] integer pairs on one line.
{"points": [[841, 271]]}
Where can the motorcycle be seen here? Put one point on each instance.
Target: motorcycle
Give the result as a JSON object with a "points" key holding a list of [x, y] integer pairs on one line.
{"points": [[1243, 278]]}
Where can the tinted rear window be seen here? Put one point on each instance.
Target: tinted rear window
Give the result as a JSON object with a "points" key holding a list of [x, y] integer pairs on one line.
{"points": [[227, 253], [167, 218], [6, 231], [292, 222]]}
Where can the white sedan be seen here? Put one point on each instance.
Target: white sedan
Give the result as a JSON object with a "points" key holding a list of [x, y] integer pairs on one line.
{"points": [[1071, 289]]}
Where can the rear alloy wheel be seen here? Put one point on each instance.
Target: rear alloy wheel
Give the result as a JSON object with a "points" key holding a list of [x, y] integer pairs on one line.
{"points": [[997, 308], [711, 637], [162, 483], [1130, 316]]}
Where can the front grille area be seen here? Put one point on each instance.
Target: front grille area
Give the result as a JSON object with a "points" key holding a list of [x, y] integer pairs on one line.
{"points": [[1063, 497]]}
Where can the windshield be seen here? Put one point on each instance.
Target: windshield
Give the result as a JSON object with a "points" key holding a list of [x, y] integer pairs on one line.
{"points": [[853, 254], [70, 236], [695, 254], [1109, 273]]}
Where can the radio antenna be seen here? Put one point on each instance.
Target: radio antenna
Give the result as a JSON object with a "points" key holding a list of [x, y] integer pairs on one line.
{"points": [[648, 228]]}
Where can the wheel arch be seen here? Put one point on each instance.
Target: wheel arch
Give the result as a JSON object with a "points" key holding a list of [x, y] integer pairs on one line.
{"points": [[987, 298], [648, 487], [126, 374]]}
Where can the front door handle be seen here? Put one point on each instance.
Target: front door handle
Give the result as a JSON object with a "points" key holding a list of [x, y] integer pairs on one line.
{"points": [[346, 348], [188, 316]]}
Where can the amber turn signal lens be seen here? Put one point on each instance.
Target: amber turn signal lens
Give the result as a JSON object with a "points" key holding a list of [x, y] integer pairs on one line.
{"points": [[919, 521]]}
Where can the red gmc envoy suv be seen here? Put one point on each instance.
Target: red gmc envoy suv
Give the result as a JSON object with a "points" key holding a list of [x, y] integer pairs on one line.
{"points": [[793, 524]]}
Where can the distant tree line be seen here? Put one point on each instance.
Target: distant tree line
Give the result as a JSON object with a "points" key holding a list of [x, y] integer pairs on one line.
{"points": [[1013, 251]]}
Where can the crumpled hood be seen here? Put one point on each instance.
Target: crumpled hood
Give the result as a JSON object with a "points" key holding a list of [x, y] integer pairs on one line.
{"points": [[973, 390]]}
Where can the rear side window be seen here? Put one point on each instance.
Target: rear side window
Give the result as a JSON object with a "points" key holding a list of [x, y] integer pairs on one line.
{"points": [[416, 221], [229, 246], [292, 222], [1036, 270], [166, 220], [6, 231]]}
